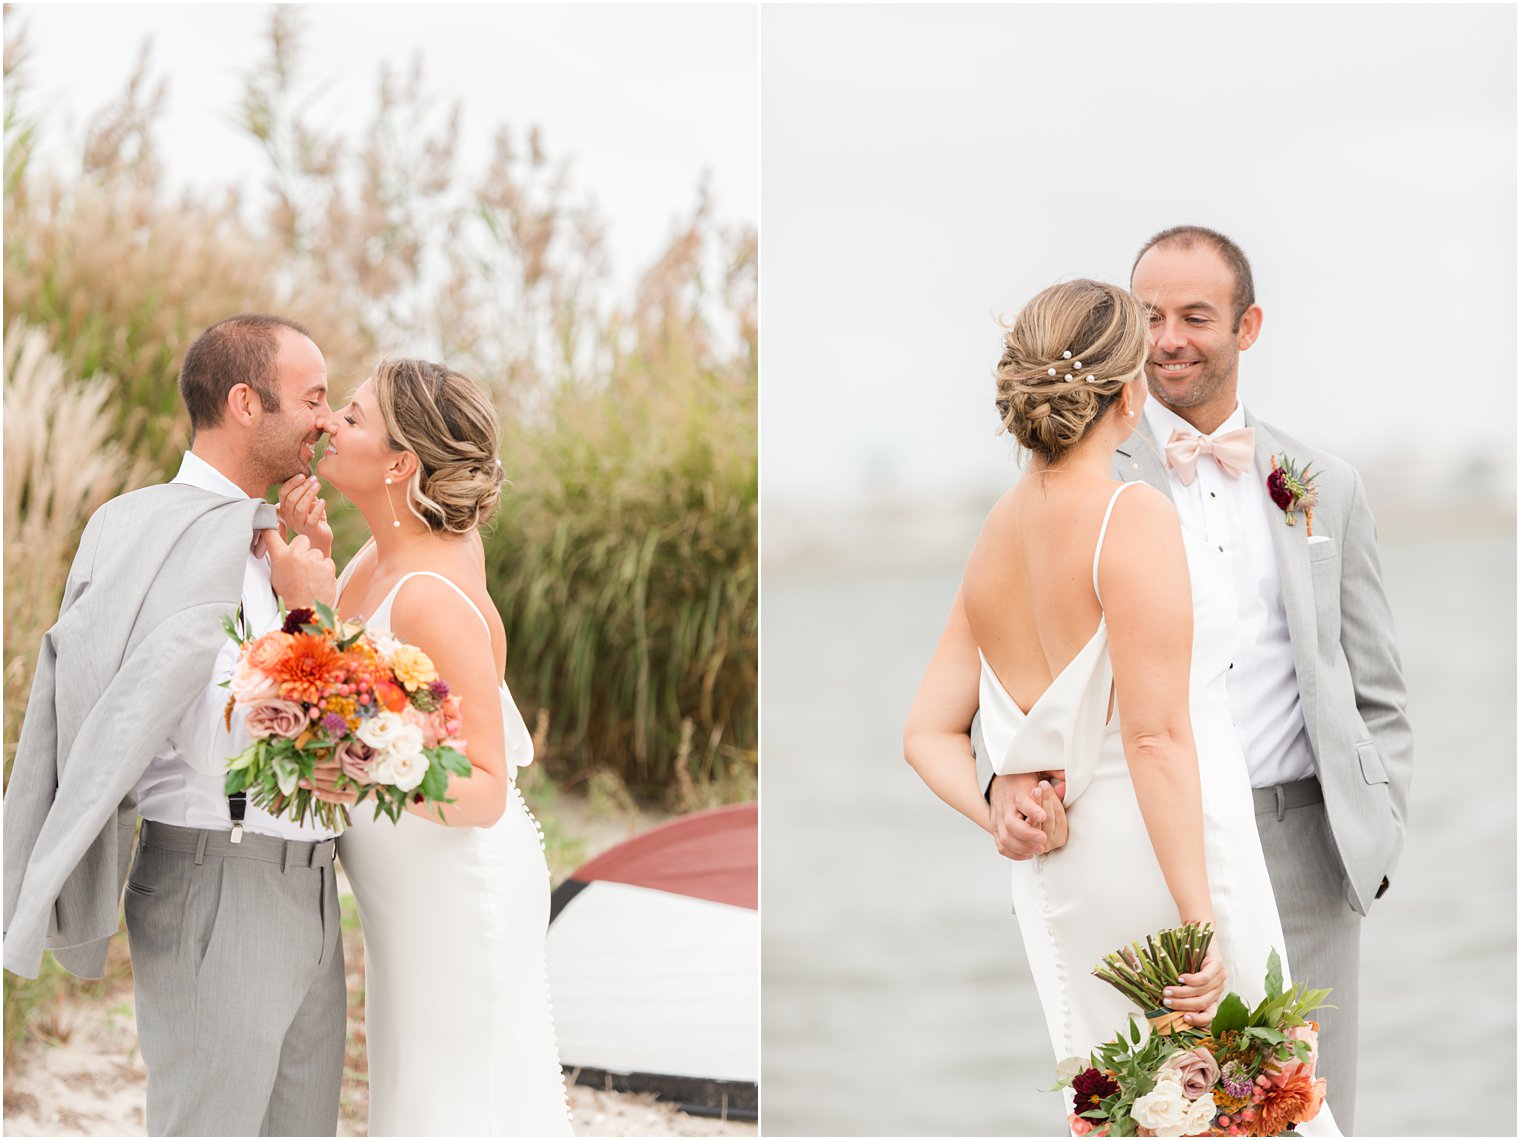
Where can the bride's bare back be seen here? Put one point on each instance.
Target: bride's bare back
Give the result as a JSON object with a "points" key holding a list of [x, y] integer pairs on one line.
{"points": [[1028, 589]]}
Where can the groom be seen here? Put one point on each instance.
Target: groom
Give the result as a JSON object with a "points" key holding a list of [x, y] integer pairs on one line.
{"points": [[232, 914], [1315, 687]]}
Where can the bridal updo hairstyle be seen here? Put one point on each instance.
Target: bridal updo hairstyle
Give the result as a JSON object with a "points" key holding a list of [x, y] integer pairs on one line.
{"points": [[446, 420], [1103, 328]]}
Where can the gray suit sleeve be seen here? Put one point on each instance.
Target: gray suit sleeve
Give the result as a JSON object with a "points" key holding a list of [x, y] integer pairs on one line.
{"points": [[1367, 638], [984, 772]]}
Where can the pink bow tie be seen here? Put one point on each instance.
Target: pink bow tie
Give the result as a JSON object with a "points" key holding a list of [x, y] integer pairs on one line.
{"points": [[1233, 451]]}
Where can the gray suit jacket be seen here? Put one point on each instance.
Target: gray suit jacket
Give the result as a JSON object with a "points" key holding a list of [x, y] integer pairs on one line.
{"points": [[135, 642], [1351, 685]]}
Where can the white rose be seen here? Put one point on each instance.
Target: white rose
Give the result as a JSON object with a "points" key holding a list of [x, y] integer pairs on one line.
{"points": [[383, 769], [407, 739], [407, 769], [1164, 1109], [379, 731], [1070, 1069], [384, 643], [1200, 1115]]}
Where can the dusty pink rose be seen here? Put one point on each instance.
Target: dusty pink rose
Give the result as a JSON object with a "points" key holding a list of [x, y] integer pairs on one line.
{"points": [[276, 718], [1080, 1126], [355, 758], [1195, 1068]]}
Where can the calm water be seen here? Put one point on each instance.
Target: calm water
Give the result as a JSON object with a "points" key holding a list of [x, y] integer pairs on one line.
{"points": [[897, 1000]]}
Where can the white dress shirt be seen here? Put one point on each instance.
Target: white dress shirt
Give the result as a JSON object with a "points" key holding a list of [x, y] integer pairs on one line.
{"points": [[183, 783], [1235, 515]]}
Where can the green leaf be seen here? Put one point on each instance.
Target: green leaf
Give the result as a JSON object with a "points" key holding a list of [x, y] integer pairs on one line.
{"points": [[1232, 1014], [1274, 974], [326, 614], [1134, 1029]]}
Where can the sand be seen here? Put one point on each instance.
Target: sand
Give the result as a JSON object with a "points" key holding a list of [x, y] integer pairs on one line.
{"points": [[89, 1081]]}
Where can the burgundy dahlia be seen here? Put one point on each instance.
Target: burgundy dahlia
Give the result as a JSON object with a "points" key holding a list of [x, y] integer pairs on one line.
{"points": [[1277, 487], [298, 617], [1091, 1087]]}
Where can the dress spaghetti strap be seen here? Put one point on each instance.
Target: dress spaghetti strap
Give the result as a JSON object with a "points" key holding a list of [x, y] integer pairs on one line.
{"points": [[396, 589], [1102, 533]]}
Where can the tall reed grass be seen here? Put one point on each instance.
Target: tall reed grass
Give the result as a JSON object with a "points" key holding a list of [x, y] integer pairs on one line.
{"points": [[625, 560]]}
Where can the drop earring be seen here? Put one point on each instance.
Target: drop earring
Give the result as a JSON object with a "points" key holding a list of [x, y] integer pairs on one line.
{"points": [[394, 520]]}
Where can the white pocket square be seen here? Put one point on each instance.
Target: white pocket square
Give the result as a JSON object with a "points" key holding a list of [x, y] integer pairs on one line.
{"points": [[1313, 538]]}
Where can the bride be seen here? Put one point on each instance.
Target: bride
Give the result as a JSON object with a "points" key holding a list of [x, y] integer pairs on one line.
{"points": [[1094, 636], [454, 902]]}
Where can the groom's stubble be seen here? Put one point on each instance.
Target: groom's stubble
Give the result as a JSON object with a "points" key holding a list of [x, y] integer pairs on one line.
{"points": [[284, 442]]}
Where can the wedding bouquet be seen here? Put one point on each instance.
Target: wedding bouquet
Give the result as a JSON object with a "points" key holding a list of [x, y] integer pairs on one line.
{"points": [[320, 689], [1250, 1073]]}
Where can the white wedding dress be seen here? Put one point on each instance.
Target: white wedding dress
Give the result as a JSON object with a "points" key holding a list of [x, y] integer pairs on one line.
{"points": [[1104, 888], [456, 998]]}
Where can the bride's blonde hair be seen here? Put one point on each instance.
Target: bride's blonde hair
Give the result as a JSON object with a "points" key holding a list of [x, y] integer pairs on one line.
{"points": [[447, 421], [1066, 357]]}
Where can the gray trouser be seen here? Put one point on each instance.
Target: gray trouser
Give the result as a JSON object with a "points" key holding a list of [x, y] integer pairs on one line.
{"points": [[238, 967], [1322, 928]]}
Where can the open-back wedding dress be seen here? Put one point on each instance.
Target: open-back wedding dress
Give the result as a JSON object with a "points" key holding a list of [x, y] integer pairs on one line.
{"points": [[456, 1000], [1104, 888]]}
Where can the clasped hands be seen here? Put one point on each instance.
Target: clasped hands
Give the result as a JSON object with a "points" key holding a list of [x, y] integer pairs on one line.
{"points": [[1027, 815]]}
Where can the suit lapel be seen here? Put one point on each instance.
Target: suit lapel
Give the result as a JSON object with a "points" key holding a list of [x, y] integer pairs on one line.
{"points": [[1138, 457], [1291, 545]]}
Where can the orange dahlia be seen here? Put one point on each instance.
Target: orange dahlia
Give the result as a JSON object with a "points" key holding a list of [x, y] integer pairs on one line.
{"points": [[309, 667], [1297, 1099]]}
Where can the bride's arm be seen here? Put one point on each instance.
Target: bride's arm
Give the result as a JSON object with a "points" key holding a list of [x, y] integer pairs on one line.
{"points": [[1143, 579], [429, 614], [937, 738]]}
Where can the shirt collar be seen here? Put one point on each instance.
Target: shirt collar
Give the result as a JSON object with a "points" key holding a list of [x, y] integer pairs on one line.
{"points": [[1163, 421], [199, 473]]}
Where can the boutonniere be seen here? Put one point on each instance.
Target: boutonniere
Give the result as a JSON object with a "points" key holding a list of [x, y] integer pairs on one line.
{"points": [[1293, 490]]}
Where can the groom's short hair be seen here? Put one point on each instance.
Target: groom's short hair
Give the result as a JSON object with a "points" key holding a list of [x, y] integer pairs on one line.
{"points": [[1185, 237], [238, 350]]}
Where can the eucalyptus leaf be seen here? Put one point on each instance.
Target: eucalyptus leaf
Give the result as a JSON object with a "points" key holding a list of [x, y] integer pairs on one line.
{"points": [[1274, 975]]}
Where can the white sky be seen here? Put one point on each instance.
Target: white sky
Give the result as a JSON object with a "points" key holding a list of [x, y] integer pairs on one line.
{"points": [[926, 168], [645, 98]]}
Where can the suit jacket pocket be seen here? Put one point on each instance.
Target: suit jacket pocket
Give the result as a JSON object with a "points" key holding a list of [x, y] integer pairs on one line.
{"points": [[1372, 764], [1319, 551]]}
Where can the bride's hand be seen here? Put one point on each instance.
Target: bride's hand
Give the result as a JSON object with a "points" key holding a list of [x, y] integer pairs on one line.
{"points": [[324, 784], [1055, 815], [1200, 993], [304, 511]]}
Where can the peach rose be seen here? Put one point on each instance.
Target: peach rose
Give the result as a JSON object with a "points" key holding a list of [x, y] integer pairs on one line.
{"points": [[250, 685], [1279, 1071], [266, 652]]}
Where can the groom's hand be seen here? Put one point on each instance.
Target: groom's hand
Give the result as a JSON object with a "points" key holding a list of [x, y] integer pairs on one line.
{"points": [[1027, 816], [298, 574]]}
